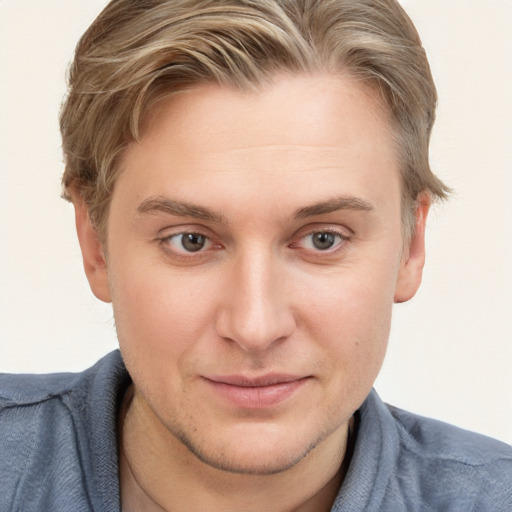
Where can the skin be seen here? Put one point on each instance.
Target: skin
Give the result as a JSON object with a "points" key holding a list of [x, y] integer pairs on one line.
{"points": [[262, 176]]}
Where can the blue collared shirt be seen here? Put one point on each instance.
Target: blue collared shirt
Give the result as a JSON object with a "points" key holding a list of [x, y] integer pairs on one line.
{"points": [[58, 452]]}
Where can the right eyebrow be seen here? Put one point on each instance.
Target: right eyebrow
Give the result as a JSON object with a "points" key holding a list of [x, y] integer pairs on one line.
{"points": [[178, 208]]}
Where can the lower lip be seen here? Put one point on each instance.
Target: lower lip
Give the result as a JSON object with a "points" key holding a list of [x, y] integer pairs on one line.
{"points": [[258, 397]]}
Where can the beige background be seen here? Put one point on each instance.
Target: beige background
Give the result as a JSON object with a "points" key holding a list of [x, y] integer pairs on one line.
{"points": [[450, 353]]}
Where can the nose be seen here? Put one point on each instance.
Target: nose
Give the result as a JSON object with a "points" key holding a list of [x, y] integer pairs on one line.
{"points": [[256, 308]]}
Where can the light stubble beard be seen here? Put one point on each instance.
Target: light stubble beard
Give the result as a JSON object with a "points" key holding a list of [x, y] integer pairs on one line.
{"points": [[220, 460]]}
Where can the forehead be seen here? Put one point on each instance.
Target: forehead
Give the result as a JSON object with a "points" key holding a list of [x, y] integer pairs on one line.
{"points": [[292, 109], [298, 140]]}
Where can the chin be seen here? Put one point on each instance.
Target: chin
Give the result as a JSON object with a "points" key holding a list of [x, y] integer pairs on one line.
{"points": [[248, 462], [258, 451]]}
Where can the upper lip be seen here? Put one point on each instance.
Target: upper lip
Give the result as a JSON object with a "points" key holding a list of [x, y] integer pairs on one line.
{"points": [[262, 380]]}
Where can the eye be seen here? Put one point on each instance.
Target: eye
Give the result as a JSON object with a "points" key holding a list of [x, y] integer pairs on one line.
{"points": [[187, 242], [323, 240]]}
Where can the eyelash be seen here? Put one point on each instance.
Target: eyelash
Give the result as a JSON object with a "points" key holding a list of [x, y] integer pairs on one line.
{"points": [[183, 254]]}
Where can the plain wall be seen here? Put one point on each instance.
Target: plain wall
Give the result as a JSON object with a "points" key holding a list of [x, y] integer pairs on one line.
{"points": [[450, 353]]}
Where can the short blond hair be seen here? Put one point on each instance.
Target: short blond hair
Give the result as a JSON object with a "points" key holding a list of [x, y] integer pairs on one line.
{"points": [[137, 52]]}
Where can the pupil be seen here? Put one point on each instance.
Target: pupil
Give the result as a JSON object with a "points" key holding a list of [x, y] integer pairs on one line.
{"points": [[193, 242], [323, 240]]}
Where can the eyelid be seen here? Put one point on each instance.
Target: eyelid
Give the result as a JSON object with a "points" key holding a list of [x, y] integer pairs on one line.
{"points": [[178, 229], [342, 231]]}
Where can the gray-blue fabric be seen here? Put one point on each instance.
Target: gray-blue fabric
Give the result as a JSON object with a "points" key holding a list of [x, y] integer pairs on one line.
{"points": [[58, 452]]}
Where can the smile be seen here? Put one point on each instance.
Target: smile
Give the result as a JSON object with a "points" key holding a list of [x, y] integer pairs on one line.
{"points": [[258, 393]]}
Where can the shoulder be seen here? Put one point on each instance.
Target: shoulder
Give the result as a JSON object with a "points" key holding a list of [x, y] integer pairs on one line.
{"points": [[25, 390], [33, 408], [447, 463], [403, 461], [432, 438], [26, 400], [43, 399], [52, 430]]}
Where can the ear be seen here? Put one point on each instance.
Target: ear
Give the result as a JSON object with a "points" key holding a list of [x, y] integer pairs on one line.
{"points": [[92, 250], [413, 258]]}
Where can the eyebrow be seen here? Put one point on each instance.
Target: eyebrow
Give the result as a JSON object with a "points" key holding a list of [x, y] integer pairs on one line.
{"points": [[178, 208], [181, 209], [333, 205]]}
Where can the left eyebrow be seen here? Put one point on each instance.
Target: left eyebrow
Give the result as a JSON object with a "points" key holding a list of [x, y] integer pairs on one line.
{"points": [[333, 205]]}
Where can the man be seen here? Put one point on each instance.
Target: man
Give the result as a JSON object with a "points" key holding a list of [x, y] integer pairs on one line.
{"points": [[251, 185]]}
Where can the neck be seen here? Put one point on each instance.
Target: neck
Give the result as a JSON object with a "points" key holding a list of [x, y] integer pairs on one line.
{"points": [[158, 473]]}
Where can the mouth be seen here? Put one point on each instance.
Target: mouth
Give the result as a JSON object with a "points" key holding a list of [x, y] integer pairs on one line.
{"points": [[256, 393]]}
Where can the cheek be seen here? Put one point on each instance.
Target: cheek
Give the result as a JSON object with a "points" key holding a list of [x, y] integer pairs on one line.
{"points": [[158, 313], [351, 317]]}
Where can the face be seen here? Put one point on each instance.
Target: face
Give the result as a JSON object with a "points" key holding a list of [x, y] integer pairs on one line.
{"points": [[254, 253]]}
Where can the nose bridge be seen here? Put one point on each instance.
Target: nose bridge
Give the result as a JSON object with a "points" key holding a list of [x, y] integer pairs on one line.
{"points": [[256, 311]]}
